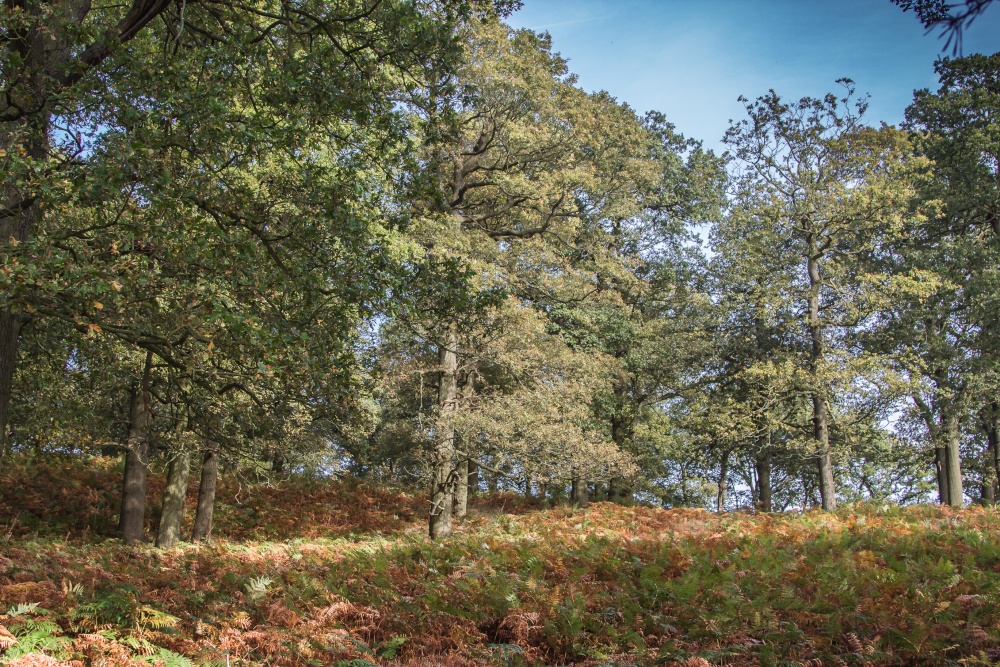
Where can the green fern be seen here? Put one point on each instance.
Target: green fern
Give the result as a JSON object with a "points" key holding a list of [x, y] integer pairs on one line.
{"points": [[155, 619], [508, 652], [166, 658], [38, 636], [121, 607], [138, 645], [390, 649], [116, 607], [258, 587], [26, 608]]}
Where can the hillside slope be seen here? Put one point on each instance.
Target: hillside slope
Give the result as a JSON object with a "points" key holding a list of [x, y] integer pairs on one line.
{"points": [[338, 573]]}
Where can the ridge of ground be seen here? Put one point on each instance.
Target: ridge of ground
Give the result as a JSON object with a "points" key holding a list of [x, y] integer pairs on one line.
{"points": [[339, 572]]}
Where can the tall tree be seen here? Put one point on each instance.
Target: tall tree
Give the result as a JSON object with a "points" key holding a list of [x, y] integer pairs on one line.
{"points": [[822, 187], [948, 260], [84, 69], [520, 158]]}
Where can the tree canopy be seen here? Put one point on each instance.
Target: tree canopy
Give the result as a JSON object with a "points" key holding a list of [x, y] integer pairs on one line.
{"points": [[397, 240]]}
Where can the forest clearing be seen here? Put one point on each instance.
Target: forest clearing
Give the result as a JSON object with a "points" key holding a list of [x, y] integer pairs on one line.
{"points": [[320, 572]]}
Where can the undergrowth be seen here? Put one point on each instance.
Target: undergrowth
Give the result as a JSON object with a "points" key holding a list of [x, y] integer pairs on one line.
{"points": [[353, 581]]}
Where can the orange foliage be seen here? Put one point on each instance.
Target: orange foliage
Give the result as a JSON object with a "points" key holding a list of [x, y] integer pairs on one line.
{"points": [[356, 580]]}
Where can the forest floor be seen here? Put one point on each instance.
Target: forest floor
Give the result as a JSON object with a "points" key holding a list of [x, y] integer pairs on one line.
{"points": [[307, 572]]}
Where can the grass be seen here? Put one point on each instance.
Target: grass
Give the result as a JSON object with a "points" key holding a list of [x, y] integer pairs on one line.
{"points": [[340, 573]]}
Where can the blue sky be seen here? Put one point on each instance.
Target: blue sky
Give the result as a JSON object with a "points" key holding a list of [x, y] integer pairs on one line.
{"points": [[692, 59]]}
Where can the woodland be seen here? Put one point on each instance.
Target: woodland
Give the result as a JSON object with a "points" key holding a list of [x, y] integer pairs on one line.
{"points": [[355, 332]]}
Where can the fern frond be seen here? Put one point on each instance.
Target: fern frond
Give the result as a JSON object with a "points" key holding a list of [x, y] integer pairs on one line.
{"points": [[155, 619], [258, 586], [25, 608]]}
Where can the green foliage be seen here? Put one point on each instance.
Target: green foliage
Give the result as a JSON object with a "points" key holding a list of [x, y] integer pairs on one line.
{"points": [[258, 587], [166, 658], [121, 606], [38, 636], [26, 609], [396, 240]]}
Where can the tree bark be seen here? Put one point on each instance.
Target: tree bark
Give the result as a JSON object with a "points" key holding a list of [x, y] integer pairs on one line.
{"points": [[827, 488], [578, 495], [821, 419], [132, 521], [763, 470], [10, 327], [934, 430], [175, 490], [473, 478], [16, 229], [953, 460], [443, 463], [618, 488], [996, 470], [720, 497], [807, 492], [172, 512], [941, 468], [616, 494], [462, 488], [206, 496], [684, 485], [992, 465]]}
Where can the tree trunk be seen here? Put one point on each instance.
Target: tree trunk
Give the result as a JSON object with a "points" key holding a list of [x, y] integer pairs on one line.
{"points": [[720, 498], [763, 469], [807, 492], [684, 485], [618, 488], [953, 461], [10, 326], [473, 478], [206, 496], [996, 472], [615, 493], [132, 521], [175, 490], [462, 488], [578, 492], [941, 468], [934, 430], [821, 420], [992, 457], [16, 228], [827, 488], [172, 513], [443, 464], [996, 463]]}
